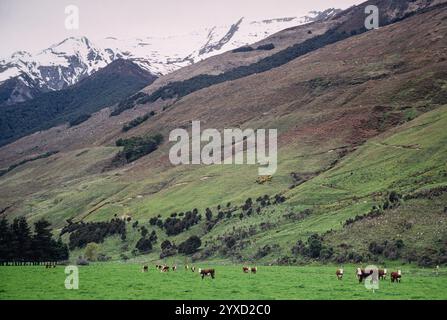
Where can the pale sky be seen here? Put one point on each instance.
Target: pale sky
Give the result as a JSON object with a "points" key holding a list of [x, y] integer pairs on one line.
{"points": [[33, 25]]}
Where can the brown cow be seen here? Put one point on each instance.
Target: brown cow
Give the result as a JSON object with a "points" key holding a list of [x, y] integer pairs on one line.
{"points": [[165, 268], [207, 272], [245, 269], [382, 274], [339, 274], [396, 276], [145, 268], [254, 269], [362, 274]]}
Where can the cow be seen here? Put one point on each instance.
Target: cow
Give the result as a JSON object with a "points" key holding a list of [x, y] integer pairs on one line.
{"points": [[396, 276], [145, 268], [186, 267], [193, 269], [253, 269], [164, 268], [207, 272], [339, 274], [382, 274], [174, 267], [245, 269], [362, 274]]}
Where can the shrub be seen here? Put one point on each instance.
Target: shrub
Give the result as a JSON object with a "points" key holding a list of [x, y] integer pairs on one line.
{"points": [[166, 245], [268, 46], [78, 120], [189, 246], [144, 245], [243, 49], [84, 233], [91, 251], [137, 147], [137, 121]]}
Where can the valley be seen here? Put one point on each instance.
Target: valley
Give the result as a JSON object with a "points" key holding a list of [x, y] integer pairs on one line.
{"points": [[361, 174]]}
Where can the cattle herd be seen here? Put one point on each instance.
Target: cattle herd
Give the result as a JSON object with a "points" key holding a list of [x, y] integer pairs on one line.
{"points": [[361, 273], [381, 274], [202, 272]]}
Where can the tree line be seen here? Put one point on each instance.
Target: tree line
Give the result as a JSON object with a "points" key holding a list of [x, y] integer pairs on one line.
{"points": [[18, 243]]}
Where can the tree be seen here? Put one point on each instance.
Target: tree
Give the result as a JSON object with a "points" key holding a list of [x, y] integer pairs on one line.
{"points": [[144, 231], [315, 245], [208, 214], [144, 245], [42, 239], [166, 245], [21, 240], [5, 241], [91, 251], [190, 245]]}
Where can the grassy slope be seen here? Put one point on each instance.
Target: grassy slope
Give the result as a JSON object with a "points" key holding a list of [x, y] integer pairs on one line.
{"points": [[381, 165]]}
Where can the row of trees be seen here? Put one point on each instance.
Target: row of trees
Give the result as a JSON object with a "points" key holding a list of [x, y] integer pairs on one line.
{"points": [[18, 243], [83, 233]]}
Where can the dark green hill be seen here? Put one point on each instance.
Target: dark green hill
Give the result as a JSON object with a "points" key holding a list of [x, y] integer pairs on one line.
{"points": [[104, 88]]}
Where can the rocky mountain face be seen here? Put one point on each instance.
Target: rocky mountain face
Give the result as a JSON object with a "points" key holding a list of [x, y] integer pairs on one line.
{"points": [[65, 63]]}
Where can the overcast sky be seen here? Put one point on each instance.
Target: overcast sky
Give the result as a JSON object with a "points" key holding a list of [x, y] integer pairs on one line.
{"points": [[32, 25]]}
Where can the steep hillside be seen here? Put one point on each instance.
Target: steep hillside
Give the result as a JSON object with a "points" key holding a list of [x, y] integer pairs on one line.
{"points": [[357, 119], [103, 88]]}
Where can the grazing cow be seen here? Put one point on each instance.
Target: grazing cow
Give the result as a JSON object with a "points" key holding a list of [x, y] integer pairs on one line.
{"points": [[186, 267], [382, 274], [245, 269], [396, 276], [174, 267], [165, 268], [145, 268], [193, 269], [254, 269], [339, 274], [207, 272], [362, 274]]}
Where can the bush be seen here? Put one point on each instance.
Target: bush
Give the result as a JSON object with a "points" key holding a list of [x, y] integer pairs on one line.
{"points": [[243, 49], [268, 46], [137, 147], [144, 245], [78, 120], [137, 121], [84, 233], [191, 245], [91, 251]]}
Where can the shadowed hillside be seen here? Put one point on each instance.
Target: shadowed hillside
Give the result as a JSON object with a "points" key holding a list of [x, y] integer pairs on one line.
{"points": [[103, 88]]}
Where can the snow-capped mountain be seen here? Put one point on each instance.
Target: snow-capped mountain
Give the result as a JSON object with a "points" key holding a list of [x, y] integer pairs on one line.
{"points": [[65, 63]]}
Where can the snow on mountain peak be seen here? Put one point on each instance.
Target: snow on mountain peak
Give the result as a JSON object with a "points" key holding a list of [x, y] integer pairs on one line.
{"points": [[69, 61]]}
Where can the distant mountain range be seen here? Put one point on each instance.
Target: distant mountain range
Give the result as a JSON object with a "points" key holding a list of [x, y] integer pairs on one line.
{"points": [[24, 75]]}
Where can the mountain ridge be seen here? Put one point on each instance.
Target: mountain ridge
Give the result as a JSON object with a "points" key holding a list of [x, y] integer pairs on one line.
{"points": [[72, 59]]}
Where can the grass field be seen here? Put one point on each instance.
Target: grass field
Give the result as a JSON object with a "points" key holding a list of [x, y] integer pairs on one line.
{"points": [[126, 281]]}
